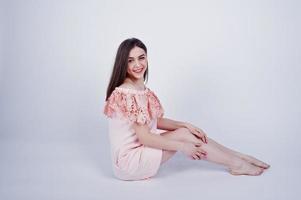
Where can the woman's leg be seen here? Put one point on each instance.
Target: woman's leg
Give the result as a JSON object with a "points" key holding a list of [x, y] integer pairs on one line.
{"points": [[166, 155], [246, 157], [173, 135], [190, 137], [236, 165]]}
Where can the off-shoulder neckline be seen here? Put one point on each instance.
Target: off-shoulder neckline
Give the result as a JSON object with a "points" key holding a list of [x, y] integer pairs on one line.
{"points": [[132, 90]]}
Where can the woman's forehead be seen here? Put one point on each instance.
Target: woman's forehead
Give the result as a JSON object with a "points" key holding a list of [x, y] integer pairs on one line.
{"points": [[136, 51]]}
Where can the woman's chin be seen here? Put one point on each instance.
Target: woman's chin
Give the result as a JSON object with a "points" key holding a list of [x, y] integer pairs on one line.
{"points": [[138, 76]]}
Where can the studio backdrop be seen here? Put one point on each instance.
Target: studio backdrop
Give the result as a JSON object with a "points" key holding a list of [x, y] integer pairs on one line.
{"points": [[230, 67]]}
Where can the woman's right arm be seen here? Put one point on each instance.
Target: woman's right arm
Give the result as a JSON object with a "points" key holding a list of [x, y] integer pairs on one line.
{"points": [[155, 141]]}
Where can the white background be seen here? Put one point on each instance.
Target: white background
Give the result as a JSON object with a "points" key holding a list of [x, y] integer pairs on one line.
{"points": [[229, 67]]}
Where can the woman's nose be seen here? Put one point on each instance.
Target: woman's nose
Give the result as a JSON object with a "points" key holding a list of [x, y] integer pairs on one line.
{"points": [[137, 64]]}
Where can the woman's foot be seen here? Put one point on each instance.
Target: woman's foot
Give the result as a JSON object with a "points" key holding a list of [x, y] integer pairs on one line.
{"points": [[245, 157], [253, 161], [245, 168]]}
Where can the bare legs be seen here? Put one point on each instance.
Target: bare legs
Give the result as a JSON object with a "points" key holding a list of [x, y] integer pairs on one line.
{"points": [[245, 157], [237, 163]]}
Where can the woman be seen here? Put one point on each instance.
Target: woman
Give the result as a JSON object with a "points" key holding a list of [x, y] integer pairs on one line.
{"points": [[135, 116]]}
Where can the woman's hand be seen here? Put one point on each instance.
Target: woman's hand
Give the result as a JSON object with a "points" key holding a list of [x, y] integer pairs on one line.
{"points": [[193, 151], [196, 131]]}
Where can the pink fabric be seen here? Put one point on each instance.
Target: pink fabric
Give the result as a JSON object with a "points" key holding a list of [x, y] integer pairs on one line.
{"points": [[132, 160], [134, 105]]}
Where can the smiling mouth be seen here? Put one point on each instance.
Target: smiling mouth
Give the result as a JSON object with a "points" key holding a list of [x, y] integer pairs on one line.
{"points": [[138, 70]]}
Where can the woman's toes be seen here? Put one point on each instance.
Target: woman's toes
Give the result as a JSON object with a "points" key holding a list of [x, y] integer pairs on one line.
{"points": [[262, 164], [256, 162], [267, 166]]}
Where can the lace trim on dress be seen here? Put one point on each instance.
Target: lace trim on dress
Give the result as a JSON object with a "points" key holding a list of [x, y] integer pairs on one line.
{"points": [[139, 106]]}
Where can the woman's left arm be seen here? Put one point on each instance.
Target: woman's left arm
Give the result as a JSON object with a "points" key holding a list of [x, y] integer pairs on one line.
{"points": [[171, 125], [168, 124]]}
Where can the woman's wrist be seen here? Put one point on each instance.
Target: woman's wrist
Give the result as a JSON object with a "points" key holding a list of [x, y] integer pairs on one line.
{"points": [[181, 124]]}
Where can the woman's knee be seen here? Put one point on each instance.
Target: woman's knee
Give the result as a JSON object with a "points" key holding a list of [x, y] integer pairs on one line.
{"points": [[183, 131], [186, 135], [180, 133]]}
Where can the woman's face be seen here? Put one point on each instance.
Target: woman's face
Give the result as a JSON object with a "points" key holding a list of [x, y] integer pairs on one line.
{"points": [[137, 63]]}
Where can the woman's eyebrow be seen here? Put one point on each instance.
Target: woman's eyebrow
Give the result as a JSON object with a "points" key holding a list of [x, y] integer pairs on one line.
{"points": [[138, 56]]}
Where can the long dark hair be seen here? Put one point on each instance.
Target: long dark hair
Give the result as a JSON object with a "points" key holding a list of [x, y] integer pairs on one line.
{"points": [[121, 63]]}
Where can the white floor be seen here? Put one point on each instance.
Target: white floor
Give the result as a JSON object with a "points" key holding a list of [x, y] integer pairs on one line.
{"points": [[35, 170]]}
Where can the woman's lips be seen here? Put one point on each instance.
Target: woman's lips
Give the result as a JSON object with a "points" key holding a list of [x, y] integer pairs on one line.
{"points": [[138, 70]]}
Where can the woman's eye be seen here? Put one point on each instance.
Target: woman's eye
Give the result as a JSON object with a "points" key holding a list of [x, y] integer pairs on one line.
{"points": [[130, 61], [142, 58]]}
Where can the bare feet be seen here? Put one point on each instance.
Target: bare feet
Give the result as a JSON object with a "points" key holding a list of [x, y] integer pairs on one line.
{"points": [[245, 168], [253, 161]]}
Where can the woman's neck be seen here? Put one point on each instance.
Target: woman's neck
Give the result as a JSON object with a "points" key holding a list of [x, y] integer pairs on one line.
{"points": [[138, 83]]}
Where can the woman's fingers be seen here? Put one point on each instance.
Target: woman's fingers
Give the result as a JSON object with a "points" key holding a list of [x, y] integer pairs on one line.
{"points": [[197, 134], [201, 135], [198, 144], [202, 151], [204, 139], [200, 155], [197, 154]]}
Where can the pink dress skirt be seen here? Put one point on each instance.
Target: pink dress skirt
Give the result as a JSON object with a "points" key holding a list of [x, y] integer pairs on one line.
{"points": [[130, 159]]}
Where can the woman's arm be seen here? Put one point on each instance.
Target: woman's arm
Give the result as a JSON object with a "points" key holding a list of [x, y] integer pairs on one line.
{"points": [[152, 140], [168, 124], [155, 141], [171, 125]]}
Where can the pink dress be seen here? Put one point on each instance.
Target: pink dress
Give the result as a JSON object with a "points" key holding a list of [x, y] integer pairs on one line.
{"points": [[131, 159]]}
